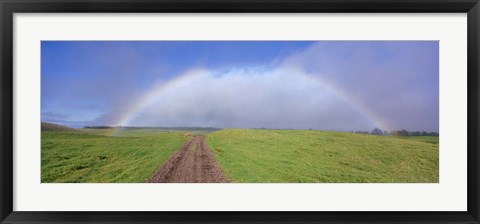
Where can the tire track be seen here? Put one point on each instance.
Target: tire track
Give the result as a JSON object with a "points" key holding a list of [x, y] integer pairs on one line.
{"points": [[192, 163]]}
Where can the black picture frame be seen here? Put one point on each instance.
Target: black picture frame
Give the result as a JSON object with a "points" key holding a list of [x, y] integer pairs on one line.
{"points": [[9, 7]]}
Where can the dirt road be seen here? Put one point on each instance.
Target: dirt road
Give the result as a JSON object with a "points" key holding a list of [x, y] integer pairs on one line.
{"points": [[192, 163]]}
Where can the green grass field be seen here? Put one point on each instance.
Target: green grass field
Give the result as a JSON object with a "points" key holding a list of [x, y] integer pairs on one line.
{"points": [[93, 157], [245, 155], [292, 156], [429, 139]]}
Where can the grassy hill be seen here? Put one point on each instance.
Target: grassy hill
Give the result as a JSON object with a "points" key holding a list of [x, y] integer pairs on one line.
{"points": [[91, 156], [55, 127], [298, 156], [246, 155]]}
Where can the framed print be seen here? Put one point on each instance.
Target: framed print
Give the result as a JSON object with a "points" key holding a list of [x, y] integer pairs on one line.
{"points": [[246, 112]]}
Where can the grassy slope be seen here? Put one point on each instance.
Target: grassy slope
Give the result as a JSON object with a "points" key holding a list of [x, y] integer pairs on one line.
{"points": [[261, 156], [45, 126], [429, 139], [133, 156]]}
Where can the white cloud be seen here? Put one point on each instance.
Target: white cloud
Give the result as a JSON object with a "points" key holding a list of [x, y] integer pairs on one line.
{"points": [[391, 85], [397, 81], [251, 98]]}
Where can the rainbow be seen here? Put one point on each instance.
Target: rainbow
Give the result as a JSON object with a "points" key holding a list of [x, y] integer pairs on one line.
{"points": [[135, 109], [151, 95], [352, 101]]}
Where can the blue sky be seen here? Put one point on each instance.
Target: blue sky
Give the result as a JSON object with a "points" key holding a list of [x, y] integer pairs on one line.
{"points": [[329, 85]]}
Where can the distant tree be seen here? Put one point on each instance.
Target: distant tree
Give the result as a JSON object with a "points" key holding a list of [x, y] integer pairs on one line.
{"points": [[377, 131], [98, 127], [403, 132], [362, 132]]}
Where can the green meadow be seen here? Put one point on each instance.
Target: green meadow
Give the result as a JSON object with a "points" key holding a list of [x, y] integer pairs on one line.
{"points": [[93, 156], [245, 155], [429, 139], [295, 156]]}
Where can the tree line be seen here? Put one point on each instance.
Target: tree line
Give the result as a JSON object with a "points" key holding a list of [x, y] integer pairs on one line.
{"points": [[403, 132], [163, 128], [99, 127]]}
